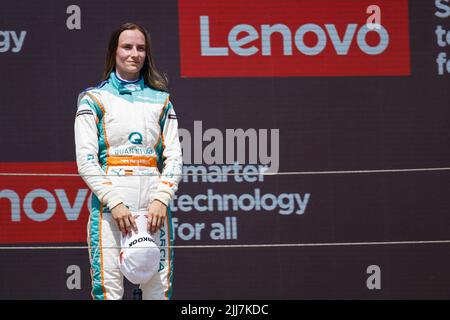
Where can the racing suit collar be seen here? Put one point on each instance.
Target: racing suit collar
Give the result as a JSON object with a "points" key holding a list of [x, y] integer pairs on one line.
{"points": [[124, 86]]}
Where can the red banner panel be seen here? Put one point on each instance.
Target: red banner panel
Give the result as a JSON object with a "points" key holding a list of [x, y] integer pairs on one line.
{"points": [[265, 38], [44, 207]]}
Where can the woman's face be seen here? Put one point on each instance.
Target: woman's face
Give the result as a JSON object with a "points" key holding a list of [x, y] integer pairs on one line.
{"points": [[130, 54]]}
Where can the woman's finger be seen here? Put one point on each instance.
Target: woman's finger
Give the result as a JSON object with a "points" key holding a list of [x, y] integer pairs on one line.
{"points": [[121, 225], [157, 223], [133, 223], [153, 225], [149, 223], [127, 224]]}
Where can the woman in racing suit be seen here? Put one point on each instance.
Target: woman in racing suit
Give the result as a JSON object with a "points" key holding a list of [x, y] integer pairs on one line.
{"points": [[128, 153]]}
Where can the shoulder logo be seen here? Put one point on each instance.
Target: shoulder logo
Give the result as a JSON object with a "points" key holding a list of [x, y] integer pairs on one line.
{"points": [[135, 138], [172, 116]]}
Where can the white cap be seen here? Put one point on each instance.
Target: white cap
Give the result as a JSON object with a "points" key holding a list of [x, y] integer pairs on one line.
{"points": [[139, 255]]}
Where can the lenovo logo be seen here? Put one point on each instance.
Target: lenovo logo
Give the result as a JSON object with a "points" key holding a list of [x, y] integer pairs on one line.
{"points": [[40, 204], [243, 46], [43, 208], [286, 38]]}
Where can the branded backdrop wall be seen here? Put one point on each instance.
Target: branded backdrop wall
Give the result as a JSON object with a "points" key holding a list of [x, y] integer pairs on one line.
{"points": [[277, 86]]}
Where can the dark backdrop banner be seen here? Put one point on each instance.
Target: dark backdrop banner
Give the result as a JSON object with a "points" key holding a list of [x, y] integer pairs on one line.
{"points": [[276, 87]]}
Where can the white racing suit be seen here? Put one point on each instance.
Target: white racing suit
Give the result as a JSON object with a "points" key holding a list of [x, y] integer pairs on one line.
{"points": [[128, 151]]}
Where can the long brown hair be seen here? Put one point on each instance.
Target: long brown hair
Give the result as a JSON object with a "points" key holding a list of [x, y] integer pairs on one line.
{"points": [[152, 77]]}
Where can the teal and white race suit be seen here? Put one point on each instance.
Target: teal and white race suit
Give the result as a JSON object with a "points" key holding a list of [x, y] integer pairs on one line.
{"points": [[128, 151]]}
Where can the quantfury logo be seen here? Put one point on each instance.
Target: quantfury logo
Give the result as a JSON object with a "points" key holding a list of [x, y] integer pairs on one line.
{"points": [[135, 138], [293, 38]]}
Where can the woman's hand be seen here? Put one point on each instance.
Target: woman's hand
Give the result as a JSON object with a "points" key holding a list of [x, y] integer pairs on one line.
{"points": [[157, 212], [124, 219]]}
